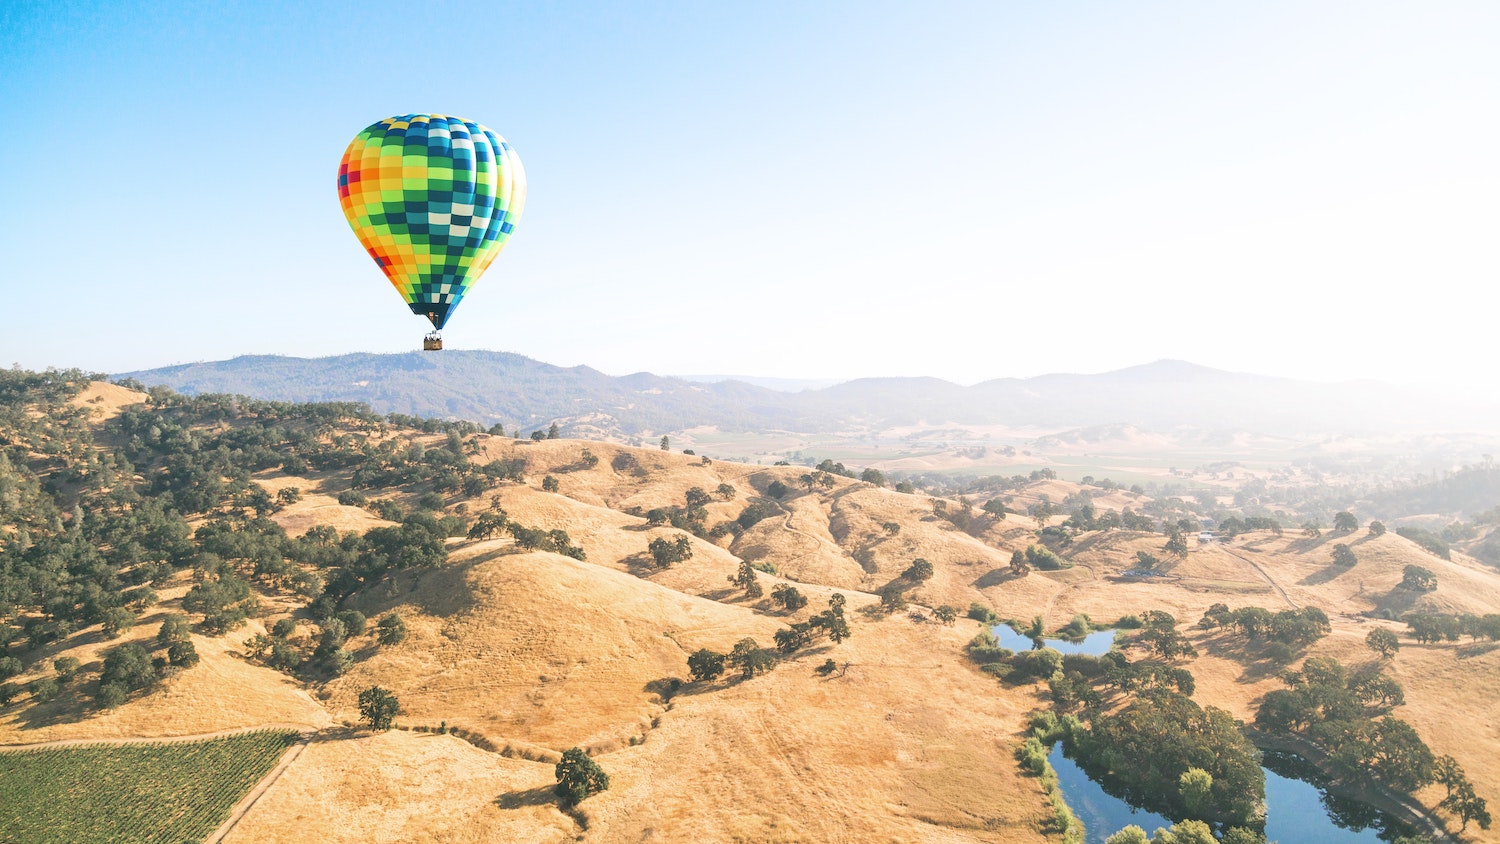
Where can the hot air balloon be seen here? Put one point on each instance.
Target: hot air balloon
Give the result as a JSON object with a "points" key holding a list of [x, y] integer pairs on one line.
{"points": [[433, 199]]}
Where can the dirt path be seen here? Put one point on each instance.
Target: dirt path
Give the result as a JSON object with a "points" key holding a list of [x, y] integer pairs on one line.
{"points": [[1262, 572], [1052, 601], [260, 788], [786, 525]]}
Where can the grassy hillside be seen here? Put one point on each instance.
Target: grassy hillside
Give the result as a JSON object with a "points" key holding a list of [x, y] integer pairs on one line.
{"points": [[519, 643]]}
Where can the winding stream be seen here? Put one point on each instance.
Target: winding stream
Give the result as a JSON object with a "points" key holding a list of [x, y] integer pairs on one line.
{"points": [[1298, 808], [1297, 811]]}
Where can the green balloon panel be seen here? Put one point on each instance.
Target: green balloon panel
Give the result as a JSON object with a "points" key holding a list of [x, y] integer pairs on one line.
{"points": [[433, 199]]}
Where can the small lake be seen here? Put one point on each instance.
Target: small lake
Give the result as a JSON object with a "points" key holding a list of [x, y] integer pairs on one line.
{"points": [[1297, 811], [1094, 644]]}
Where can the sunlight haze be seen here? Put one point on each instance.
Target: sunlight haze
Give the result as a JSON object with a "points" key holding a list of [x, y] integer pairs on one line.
{"points": [[966, 191]]}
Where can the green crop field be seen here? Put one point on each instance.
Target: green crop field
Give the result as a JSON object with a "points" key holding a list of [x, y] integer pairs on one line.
{"points": [[158, 792]]}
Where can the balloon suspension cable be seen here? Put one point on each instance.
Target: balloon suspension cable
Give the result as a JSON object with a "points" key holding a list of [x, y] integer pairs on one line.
{"points": [[433, 342]]}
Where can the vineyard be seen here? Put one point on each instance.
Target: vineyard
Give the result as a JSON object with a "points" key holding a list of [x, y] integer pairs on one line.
{"points": [[158, 792]]}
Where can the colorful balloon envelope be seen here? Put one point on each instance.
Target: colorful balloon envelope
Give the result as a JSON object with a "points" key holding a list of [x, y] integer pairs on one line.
{"points": [[433, 199]]}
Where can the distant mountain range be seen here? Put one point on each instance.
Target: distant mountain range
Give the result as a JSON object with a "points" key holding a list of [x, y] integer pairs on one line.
{"points": [[520, 393]]}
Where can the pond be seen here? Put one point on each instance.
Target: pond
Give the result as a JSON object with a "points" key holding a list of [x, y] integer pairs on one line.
{"points": [[1094, 644], [1297, 811]]}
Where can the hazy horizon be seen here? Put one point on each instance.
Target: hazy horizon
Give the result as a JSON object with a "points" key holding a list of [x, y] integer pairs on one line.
{"points": [[964, 192]]}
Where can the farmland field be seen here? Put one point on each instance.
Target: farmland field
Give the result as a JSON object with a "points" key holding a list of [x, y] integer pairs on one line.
{"points": [[157, 792]]}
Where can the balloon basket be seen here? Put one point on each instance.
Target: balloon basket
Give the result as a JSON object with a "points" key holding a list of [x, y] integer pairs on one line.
{"points": [[432, 342]]}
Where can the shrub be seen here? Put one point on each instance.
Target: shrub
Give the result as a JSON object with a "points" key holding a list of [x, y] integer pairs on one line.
{"points": [[9, 667], [981, 613], [354, 622], [378, 707], [706, 665], [117, 620], [66, 667], [182, 654], [578, 776], [43, 688], [391, 630]]}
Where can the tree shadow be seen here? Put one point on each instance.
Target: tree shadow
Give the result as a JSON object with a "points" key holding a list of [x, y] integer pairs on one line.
{"points": [[70, 706], [542, 795], [751, 552], [441, 590], [995, 577], [693, 688], [1396, 602], [340, 733], [1474, 649], [1324, 575], [1254, 672], [1305, 544], [1249, 654], [640, 564], [666, 688]]}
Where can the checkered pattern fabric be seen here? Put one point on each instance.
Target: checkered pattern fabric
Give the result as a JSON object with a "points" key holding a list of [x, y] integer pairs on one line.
{"points": [[433, 199]]}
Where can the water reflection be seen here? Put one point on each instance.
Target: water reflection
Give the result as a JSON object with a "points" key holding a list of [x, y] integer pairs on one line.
{"points": [[1094, 644], [1298, 811]]}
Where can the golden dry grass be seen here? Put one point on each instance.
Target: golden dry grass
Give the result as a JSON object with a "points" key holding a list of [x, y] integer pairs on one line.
{"points": [[908, 745], [405, 787], [106, 400], [539, 649], [537, 652]]}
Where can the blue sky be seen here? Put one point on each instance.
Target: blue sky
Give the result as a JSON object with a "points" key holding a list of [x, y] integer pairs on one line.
{"points": [[781, 189]]}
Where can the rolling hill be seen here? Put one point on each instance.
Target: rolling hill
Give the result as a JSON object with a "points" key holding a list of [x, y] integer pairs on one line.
{"points": [[513, 652]]}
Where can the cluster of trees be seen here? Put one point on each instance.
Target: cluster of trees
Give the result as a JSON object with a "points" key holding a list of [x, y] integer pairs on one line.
{"points": [[1285, 633], [664, 552], [1418, 579], [830, 623], [131, 667], [1167, 754], [555, 540], [1035, 556], [1187, 831], [1337, 709], [746, 579], [693, 515], [1429, 627], [1159, 750], [817, 479], [495, 520], [1324, 691], [97, 528], [1027, 666], [1431, 542], [1159, 635], [1232, 526], [748, 656], [789, 597]]}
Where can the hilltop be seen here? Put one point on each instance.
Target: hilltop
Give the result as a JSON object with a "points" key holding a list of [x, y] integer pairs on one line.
{"points": [[557, 629]]}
